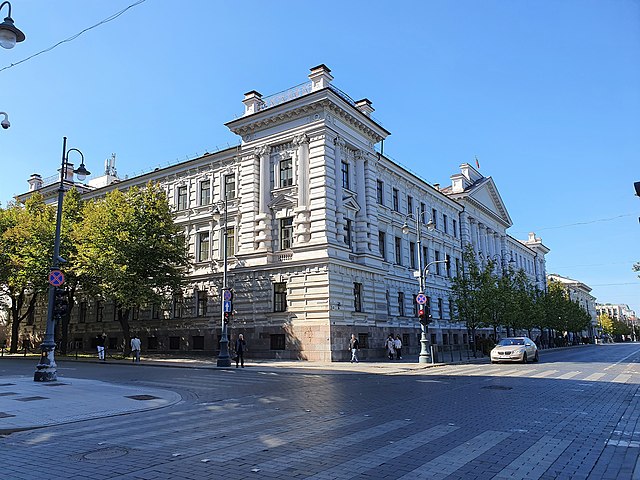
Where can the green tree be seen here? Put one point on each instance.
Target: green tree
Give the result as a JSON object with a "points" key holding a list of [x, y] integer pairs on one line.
{"points": [[130, 250], [26, 243], [472, 292]]}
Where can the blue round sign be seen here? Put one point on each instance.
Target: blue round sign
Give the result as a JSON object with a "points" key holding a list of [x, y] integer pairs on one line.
{"points": [[56, 278]]}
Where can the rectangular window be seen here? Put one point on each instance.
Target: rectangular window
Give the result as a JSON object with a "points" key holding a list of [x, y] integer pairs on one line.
{"points": [[174, 343], [357, 297], [401, 304], [382, 241], [434, 339], [280, 297], [363, 340], [398, 246], [444, 224], [203, 246], [152, 343], [455, 228], [409, 204], [387, 297], [405, 339], [99, 311], [198, 342], [155, 311], [205, 192], [437, 259], [451, 312], [345, 176], [178, 305], [286, 173], [380, 191], [414, 305], [396, 203], [202, 303], [457, 266], [82, 314], [423, 212], [447, 266], [425, 256], [456, 339], [445, 339], [412, 255], [286, 233], [182, 197], [230, 186], [434, 217], [440, 310], [347, 233], [231, 241], [277, 341]]}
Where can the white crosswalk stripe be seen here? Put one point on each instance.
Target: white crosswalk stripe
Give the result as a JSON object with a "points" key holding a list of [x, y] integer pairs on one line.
{"points": [[457, 457], [535, 460], [379, 456], [568, 375], [594, 377]]}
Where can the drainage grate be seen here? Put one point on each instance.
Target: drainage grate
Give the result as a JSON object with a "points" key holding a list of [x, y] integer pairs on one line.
{"points": [[5, 415], [142, 397], [497, 387], [106, 453], [6, 394], [31, 399]]}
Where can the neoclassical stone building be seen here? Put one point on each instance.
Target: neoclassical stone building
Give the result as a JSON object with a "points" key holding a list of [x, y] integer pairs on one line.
{"points": [[315, 244]]}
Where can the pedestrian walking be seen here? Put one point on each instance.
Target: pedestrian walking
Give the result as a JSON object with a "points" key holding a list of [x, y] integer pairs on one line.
{"points": [[135, 349], [100, 345], [397, 344], [241, 347], [354, 345], [391, 347]]}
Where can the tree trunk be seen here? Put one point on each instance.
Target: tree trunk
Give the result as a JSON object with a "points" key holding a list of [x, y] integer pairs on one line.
{"points": [[123, 319], [17, 302]]}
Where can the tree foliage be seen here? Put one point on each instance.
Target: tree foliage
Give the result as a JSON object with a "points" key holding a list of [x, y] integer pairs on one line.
{"points": [[130, 250], [26, 246]]}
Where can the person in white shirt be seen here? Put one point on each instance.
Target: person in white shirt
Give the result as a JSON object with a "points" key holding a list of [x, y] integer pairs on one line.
{"points": [[397, 344], [135, 349]]}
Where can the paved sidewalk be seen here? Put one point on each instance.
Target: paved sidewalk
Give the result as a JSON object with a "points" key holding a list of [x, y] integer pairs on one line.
{"points": [[26, 404]]}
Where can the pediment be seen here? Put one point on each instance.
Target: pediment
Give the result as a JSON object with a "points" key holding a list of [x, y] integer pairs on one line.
{"points": [[349, 201], [282, 202], [485, 195]]}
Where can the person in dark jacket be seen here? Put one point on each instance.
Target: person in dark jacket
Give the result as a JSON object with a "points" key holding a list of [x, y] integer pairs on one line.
{"points": [[354, 345], [241, 347]]}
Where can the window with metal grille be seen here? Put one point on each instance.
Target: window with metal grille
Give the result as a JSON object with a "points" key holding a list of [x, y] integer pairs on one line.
{"points": [[363, 340], [277, 341]]}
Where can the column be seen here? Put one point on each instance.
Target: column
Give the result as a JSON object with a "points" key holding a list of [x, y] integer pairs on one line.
{"points": [[361, 215], [302, 220], [263, 218]]}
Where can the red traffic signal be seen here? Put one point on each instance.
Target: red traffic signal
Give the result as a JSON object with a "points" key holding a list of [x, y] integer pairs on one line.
{"points": [[60, 301]]}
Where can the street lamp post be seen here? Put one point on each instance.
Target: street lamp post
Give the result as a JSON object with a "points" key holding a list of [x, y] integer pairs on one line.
{"points": [[9, 34], [224, 360], [424, 343], [46, 369], [5, 122]]}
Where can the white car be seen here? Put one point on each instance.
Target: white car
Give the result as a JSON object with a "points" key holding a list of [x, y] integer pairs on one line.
{"points": [[515, 349]]}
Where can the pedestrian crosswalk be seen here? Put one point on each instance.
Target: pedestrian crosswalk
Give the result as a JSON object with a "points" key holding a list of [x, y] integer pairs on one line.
{"points": [[536, 371]]}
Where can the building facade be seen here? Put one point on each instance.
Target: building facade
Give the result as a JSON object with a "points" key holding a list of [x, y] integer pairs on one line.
{"points": [[312, 215], [581, 294]]}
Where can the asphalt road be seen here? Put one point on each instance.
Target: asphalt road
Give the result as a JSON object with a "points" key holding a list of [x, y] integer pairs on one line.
{"points": [[573, 415]]}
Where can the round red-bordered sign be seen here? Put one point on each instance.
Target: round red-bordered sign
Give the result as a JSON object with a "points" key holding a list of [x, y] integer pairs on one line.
{"points": [[56, 278]]}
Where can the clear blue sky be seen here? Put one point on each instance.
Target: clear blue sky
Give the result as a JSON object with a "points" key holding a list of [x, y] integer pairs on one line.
{"points": [[545, 93]]}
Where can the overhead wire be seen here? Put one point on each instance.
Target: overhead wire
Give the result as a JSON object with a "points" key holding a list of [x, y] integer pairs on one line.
{"points": [[73, 37]]}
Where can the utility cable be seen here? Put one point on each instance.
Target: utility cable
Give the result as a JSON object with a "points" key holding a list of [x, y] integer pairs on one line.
{"points": [[73, 37]]}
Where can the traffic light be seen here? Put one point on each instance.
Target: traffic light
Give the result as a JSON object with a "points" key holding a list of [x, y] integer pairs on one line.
{"points": [[60, 302]]}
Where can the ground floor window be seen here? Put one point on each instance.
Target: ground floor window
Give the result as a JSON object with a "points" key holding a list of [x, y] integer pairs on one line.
{"points": [[174, 343], [152, 343], [363, 340], [277, 341], [198, 342], [405, 339]]}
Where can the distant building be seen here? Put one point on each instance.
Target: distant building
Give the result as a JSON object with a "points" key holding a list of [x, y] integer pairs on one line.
{"points": [[314, 235], [620, 312]]}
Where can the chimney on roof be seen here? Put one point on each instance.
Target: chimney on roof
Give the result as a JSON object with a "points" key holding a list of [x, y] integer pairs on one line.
{"points": [[320, 77], [35, 182], [252, 102], [365, 107]]}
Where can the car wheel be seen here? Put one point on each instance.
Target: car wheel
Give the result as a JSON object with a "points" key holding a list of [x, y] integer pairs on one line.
{"points": [[524, 357], [536, 358], [493, 361]]}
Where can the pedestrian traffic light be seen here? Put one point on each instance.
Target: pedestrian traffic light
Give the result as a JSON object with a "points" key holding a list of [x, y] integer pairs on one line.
{"points": [[60, 302]]}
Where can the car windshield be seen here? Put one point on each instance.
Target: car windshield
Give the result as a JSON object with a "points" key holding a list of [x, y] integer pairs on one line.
{"points": [[505, 342]]}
